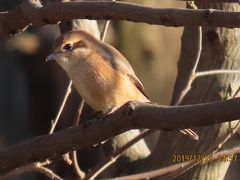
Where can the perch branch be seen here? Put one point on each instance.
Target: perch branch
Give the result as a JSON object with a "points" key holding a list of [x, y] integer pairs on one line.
{"points": [[132, 115]]}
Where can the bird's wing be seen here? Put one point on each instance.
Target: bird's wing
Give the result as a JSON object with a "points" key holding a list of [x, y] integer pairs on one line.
{"points": [[119, 62], [138, 84]]}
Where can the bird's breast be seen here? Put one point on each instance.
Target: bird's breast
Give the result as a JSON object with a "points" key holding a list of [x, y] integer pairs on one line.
{"points": [[103, 87]]}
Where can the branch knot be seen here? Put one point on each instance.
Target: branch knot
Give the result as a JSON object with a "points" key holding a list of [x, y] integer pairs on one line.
{"points": [[130, 107], [208, 13]]}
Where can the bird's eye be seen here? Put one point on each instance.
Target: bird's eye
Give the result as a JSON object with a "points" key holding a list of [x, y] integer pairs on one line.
{"points": [[67, 47]]}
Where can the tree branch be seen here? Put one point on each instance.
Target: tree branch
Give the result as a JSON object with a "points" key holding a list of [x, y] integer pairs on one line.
{"points": [[217, 71], [229, 155], [33, 167], [33, 12], [55, 121], [132, 115]]}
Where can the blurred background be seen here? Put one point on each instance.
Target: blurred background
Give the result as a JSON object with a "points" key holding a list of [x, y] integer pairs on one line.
{"points": [[31, 90]]}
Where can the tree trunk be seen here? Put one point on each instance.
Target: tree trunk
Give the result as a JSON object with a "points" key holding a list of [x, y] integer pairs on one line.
{"points": [[220, 50]]}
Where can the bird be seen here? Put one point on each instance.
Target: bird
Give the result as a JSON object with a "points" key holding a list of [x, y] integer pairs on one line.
{"points": [[99, 72]]}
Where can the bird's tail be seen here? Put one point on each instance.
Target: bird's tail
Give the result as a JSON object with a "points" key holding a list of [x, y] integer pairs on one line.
{"points": [[137, 151]]}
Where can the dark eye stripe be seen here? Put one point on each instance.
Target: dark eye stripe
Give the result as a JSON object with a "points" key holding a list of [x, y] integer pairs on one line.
{"points": [[80, 44]]}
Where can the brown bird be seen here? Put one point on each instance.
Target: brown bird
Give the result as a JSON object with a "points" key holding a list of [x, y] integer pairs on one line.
{"points": [[100, 73]]}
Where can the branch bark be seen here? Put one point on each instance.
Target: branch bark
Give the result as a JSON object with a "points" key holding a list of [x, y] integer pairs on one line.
{"points": [[130, 116], [33, 12]]}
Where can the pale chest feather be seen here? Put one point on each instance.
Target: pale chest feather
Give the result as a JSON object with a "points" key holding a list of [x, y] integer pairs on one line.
{"points": [[102, 86]]}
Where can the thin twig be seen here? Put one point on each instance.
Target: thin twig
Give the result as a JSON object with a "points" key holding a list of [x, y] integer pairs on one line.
{"points": [[104, 31], [105, 28], [33, 167], [54, 123], [115, 155], [193, 72], [191, 78], [80, 173], [218, 71], [76, 166], [79, 112], [183, 93], [47, 172]]}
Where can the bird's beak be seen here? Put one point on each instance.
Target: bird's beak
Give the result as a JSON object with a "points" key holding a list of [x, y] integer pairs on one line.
{"points": [[51, 57]]}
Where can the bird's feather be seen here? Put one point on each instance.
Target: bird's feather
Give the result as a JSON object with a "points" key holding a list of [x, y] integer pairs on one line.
{"points": [[118, 62]]}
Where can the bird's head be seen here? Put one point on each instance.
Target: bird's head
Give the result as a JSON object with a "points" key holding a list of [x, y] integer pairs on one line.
{"points": [[73, 47]]}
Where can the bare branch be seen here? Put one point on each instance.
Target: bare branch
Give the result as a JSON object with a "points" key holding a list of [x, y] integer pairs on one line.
{"points": [[218, 71], [76, 166], [33, 167], [80, 173], [213, 1], [132, 115], [54, 123], [220, 156], [32, 12], [192, 74], [191, 77]]}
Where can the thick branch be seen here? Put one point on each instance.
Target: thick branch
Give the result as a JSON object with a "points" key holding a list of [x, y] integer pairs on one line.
{"points": [[131, 115], [32, 12]]}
